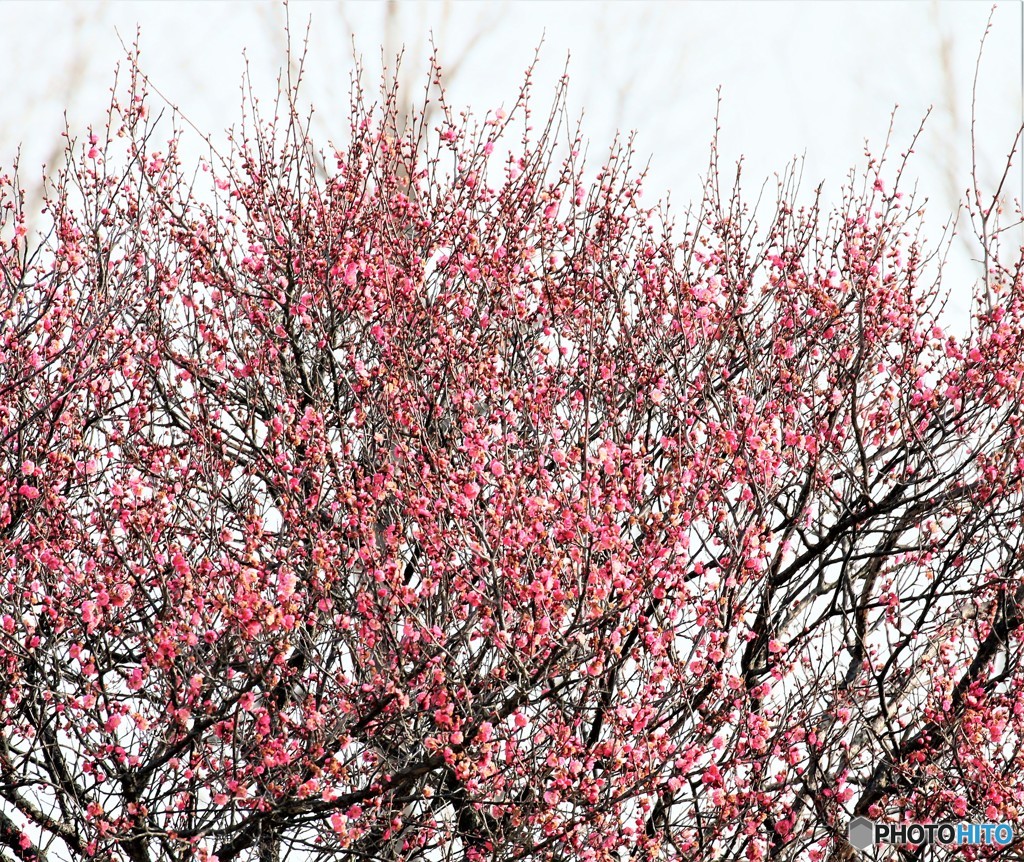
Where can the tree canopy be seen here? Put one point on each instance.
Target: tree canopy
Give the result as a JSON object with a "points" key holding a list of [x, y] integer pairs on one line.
{"points": [[432, 497]]}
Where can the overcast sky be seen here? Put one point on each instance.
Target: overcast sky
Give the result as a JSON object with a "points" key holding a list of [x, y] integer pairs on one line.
{"points": [[797, 78]]}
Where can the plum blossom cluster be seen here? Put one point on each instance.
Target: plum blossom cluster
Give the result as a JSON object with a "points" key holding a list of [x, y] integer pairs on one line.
{"points": [[430, 497]]}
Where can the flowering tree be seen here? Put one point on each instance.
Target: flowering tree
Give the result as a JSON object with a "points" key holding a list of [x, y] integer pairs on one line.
{"points": [[428, 499]]}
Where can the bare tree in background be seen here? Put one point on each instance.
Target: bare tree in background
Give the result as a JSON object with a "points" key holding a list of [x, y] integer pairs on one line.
{"points": [[957, 120]]}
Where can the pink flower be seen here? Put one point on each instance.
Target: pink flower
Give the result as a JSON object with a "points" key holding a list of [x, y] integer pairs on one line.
{"points": [[28, 492]]}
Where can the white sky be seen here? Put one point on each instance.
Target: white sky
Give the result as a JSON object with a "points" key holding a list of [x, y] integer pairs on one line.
{"points": [[810, 77]]}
